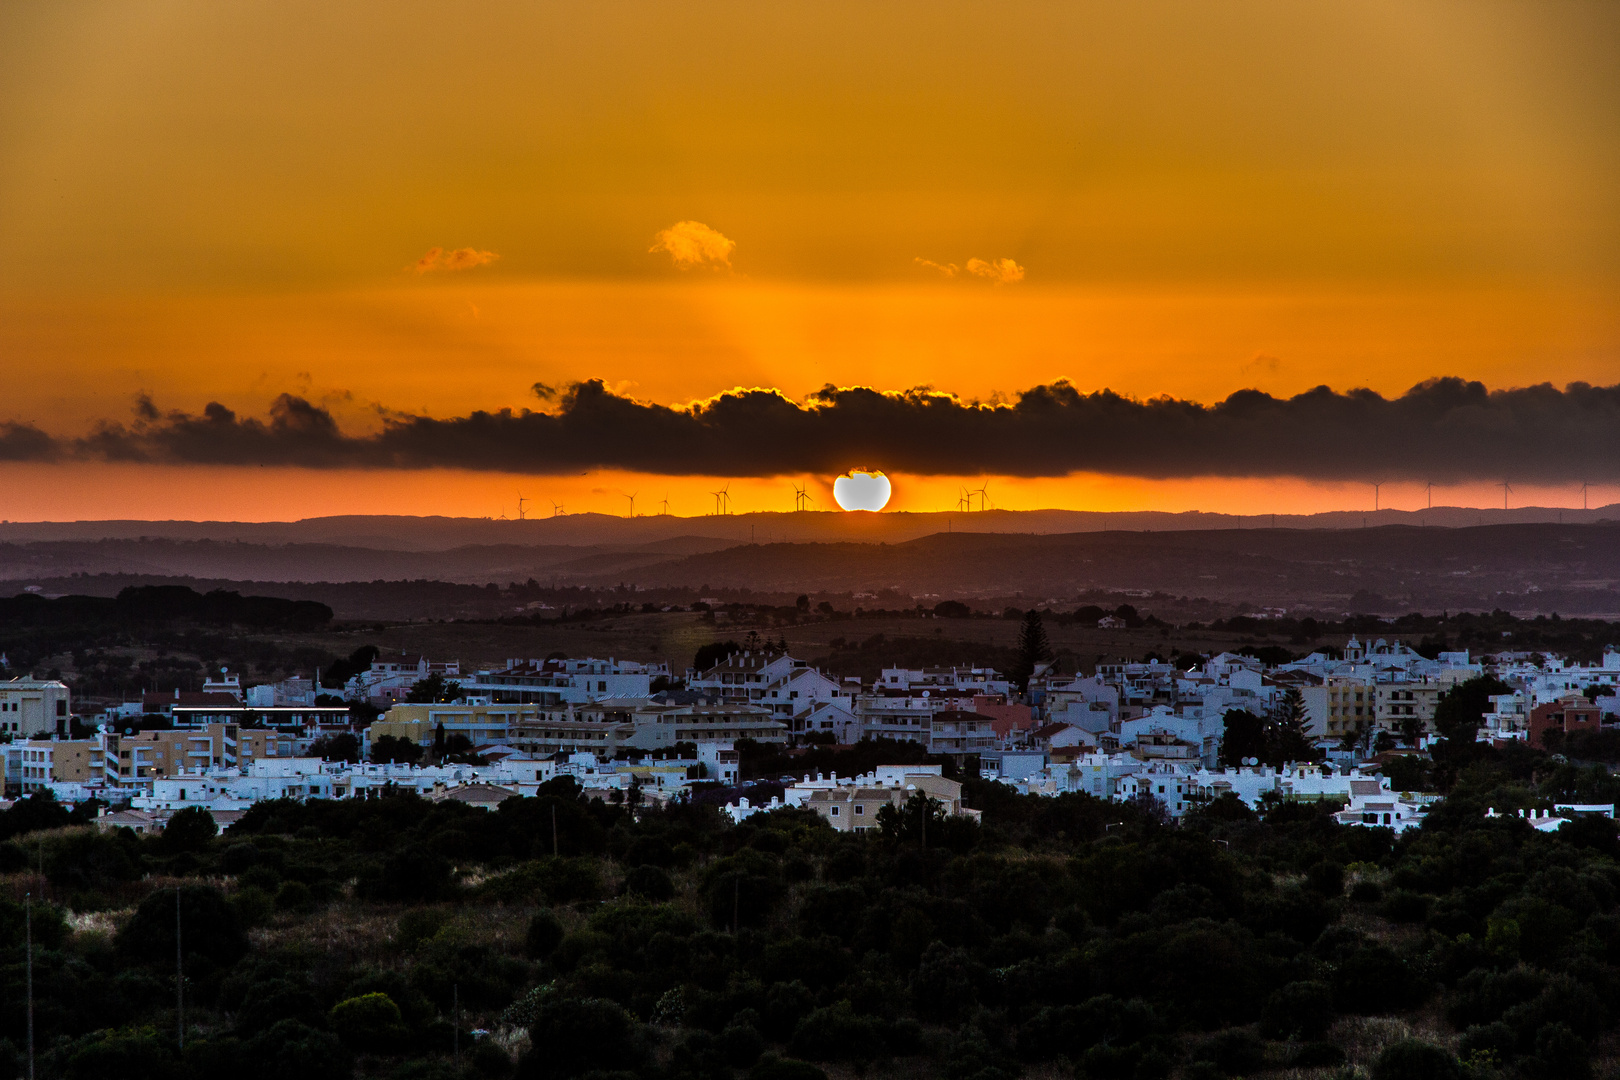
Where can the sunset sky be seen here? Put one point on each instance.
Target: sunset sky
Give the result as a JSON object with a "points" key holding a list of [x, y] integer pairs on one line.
{"points": [[392, 217]]}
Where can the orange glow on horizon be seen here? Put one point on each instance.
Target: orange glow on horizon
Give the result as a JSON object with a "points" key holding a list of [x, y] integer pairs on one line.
{"points": [[109, 492]]}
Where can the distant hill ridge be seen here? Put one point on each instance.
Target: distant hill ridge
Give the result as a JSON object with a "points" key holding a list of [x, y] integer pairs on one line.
{"points": [[662, 534]]}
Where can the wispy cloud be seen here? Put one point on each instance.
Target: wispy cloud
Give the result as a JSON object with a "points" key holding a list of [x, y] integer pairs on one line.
{"points": [[1000, 271], [692, 243], [453, 259]]}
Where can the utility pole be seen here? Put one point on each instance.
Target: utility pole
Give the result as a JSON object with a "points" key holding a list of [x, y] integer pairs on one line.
{"points": [[179, 976], [28, 936], [553, 830]]}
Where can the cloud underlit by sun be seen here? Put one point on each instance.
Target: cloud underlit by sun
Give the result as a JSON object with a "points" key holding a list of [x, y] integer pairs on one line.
{"points": [[693, 244]]}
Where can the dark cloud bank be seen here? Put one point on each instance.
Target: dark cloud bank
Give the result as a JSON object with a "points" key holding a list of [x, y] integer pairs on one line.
{"points": [[1443, 430]]}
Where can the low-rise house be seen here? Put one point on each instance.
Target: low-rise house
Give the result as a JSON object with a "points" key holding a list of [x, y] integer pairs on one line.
{"points": [[1566, 716]]}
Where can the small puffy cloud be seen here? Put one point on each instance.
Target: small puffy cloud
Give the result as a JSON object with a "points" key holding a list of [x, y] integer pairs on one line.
{"points": [[1000, 271], [454, 259], [692, 243]]}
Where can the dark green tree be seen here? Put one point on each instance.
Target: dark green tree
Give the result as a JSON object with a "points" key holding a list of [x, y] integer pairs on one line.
{"points": [[1244, 737], [1033, 649], [1285, 735], [1458, 714], [435, 690], [189, 830]]}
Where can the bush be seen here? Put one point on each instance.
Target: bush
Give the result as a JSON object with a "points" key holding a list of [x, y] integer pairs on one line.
{"points": [[772, 1067], [1237, 1052], [1300, 1010], [545, 934], [191, 829], [837, 1034], [1412, 1059], [209, 928], [650, 883], [371, 1022], [572, 1036]]}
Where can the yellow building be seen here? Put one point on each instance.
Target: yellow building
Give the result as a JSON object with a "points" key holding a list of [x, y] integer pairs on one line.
{"points": [[483, 725]]}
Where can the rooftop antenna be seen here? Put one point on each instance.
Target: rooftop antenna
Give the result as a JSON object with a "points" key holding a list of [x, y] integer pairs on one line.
{"points": [[557, 508], [1505, 490], [632, 498], [521, 502]]}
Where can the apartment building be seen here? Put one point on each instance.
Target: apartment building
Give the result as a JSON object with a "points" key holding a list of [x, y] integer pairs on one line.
{"points": [[554, 684], [34, 765], [30, 707]]}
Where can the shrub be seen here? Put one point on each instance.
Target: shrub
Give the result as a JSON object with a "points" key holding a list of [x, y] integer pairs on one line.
{"points": [[772, 1067], [190, 829], [1300, 1010], [371, 1022], [573, 1036], [837, 1034], [1413, 1059], [545, 934], [1236, 1051], [209, 927], [649, 882]]}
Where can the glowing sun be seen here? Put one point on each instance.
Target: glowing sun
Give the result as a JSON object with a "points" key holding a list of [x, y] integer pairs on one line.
{"points": [[859, 489]]}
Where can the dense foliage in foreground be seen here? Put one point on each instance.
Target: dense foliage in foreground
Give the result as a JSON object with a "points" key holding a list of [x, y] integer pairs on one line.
{"points": [[1066, 936]]}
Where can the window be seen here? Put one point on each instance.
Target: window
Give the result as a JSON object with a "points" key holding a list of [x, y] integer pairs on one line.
{"points": [[835, 811], [859, 809]]}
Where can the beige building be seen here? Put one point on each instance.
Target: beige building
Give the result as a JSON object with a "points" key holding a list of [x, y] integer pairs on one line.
{"points": [[1401, 703], [33, 765], [853, 805], [30, 707], [134, 761], [483, 725]]}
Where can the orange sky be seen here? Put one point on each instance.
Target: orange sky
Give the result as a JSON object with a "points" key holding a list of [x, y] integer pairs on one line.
{"points": [[207, 202]]}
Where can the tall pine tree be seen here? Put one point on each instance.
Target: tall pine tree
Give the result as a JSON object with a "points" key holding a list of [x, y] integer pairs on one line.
{"points": [[1033, 649]]}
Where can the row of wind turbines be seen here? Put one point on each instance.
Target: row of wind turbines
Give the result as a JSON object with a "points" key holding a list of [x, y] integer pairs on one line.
{"points": [[1507, 489], [803, 502]]}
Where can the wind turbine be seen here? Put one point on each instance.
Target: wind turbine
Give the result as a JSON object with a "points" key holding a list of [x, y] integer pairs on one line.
{"points": [[964, 502], [521, 502], [1584, 486], [984, 496], [1376, 486], [1429, 490], [1505, 490], [801, 497], [725, 498], [665, 504], [632, 497], [556, 508], [716, 495]]}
